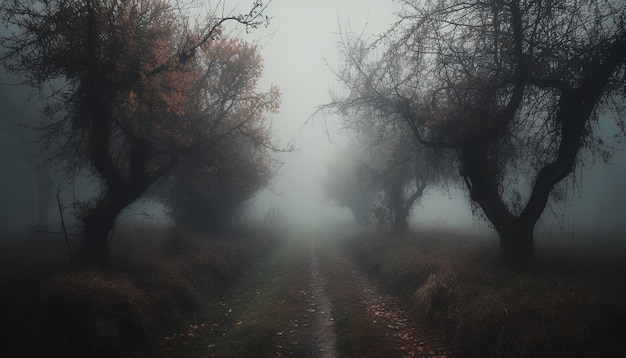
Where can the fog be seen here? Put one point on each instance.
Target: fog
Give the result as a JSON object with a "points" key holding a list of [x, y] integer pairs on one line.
{"points": [[300, 44], [298, 47]]}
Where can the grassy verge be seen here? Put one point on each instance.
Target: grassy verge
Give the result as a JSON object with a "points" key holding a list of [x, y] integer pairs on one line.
{"points": [[156, 281], [570, 303]]}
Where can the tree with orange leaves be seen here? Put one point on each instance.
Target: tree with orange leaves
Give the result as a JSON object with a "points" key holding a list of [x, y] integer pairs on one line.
{"points": [[231, 160], [132, 89]]}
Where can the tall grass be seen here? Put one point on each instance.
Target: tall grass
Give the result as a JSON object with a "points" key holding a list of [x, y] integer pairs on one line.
{"points": [[158, 275], [571, 302]]}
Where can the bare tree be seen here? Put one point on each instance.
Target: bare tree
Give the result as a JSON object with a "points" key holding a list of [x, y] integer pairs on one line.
{"points": [[513, 88], [344, 184], [392, 166], [386, 177]]}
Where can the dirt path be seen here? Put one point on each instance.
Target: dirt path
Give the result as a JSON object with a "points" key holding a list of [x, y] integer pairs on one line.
{"points": [[404, 333], [400, 331], [306, 300], [324, 324], [311, 331], [314, 329]]}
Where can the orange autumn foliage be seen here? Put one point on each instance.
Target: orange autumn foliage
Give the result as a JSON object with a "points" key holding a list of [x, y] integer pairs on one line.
{"points": [[140, 92]]}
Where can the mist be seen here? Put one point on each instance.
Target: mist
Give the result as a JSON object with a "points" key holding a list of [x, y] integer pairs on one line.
{"points": [[299, 51], [312, 179]]}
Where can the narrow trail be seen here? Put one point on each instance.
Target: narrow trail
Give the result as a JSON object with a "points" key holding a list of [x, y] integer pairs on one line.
{"points": [[324, 325], [310, 333], [401, 332], [406, 336], [305, 300]]}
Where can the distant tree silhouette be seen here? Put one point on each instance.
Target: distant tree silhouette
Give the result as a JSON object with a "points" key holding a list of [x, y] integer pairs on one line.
{"points": [[381, 175], [273, 216], [343, 184], [395, 166]]}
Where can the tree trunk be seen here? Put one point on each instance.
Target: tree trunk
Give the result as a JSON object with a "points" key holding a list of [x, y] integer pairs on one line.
{"points": [[400, 223], [99, 222], [400, 215], [360, 215], [96, 244], [515, 232], [401, 206], [517, 242], [97, 225]]}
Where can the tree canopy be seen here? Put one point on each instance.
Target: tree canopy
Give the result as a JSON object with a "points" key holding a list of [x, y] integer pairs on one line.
{"points": [[514, 89], [132, 88]]}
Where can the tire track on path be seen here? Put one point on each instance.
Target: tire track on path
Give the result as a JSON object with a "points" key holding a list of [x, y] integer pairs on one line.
{"points": [[386, 310], [383, 321], [324, 334], [310, 333]]}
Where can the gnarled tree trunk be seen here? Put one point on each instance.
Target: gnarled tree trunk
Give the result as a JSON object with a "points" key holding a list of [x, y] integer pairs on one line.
{"points": [[515, 232], [99, 221], [97, 226], [401, 206], [517, 241]]}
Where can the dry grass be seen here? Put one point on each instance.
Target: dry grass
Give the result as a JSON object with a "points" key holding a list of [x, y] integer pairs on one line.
{"points": [[569, 303], [157, 279]]}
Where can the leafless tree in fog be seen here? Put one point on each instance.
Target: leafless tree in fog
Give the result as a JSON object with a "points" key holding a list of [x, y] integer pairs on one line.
{"points": [[386, 176], [513, 89]]}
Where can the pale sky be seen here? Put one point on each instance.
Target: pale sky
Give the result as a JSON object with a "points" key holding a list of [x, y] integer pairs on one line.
{"points": [[297, 47]]}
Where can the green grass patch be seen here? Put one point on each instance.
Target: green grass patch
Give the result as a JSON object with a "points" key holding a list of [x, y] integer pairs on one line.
{"points": [[569, 303]]}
